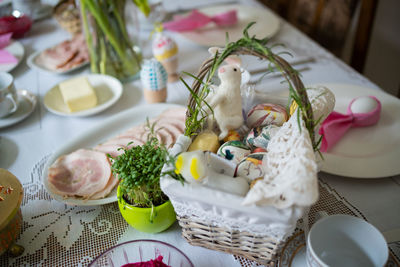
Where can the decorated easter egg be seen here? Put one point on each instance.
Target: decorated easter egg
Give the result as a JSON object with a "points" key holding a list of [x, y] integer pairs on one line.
{"points": [[260, 136], [259, 149], [234, 151], [265, 114], [232, 136], [153, 75], [205, 141], [164, 48], [250, 167]]}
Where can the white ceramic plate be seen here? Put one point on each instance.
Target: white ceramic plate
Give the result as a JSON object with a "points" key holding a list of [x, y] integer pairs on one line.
{"points": [[108, 90], [366, 152], [27, 103], [17, 50], [267, 25], [102, 132], [34, 63]]}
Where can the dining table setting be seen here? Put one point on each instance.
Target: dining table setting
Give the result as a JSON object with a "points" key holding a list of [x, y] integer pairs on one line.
{"points": [[298, 148]]}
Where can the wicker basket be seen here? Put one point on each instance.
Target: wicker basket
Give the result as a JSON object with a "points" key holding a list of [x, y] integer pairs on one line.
{"points": [[262, 248], [67, 14]]}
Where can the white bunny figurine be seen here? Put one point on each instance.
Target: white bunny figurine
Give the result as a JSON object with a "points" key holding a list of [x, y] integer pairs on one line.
{"points": [[226, 100]]}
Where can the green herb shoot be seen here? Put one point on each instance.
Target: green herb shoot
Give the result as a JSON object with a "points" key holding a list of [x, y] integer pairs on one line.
{"points": [[139, 169]]}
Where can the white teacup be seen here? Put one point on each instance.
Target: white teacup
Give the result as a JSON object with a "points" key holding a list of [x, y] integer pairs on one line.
{"points": [[8, 95], [343, 240]]}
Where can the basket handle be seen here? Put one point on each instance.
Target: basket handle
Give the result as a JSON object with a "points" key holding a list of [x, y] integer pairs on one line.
{"points": [[288, 72]]}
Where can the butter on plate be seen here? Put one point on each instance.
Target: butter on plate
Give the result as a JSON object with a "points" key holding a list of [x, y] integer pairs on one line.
{"points": [[78, 94]]}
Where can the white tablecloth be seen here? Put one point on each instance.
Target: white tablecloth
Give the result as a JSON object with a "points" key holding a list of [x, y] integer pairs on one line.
{"points": [[23, 145]]}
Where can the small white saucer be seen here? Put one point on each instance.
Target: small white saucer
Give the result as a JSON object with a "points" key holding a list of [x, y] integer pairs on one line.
{"points": [[108, 90], [27, 103]]}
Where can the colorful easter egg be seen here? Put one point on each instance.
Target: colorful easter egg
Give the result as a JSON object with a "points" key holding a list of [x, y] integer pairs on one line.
{"points": [[153, 75], [260, 136], [259, 149], [164, 48], [205, 141], [265, 114], [232, 136], [251, 167], [234, 151]]}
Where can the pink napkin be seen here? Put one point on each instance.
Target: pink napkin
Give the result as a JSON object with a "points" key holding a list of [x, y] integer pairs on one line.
{"points": [[197, 20], [5, 56], [337, 124]]}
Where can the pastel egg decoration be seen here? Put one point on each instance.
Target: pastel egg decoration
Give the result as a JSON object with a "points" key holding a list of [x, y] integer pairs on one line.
{"points": [[234, 151], [265, 114], [165, 50], [250, 167], [154, 81], [205, 141], [232, 136], [364, 104], [260, 136]]}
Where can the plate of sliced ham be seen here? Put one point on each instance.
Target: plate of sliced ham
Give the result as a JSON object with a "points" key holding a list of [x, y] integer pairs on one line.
{"points": [[62, 58], [79, 172]]}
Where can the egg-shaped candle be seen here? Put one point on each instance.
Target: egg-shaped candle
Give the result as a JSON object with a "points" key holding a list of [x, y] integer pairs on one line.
{"points": [[165, 50], [154, 81]]}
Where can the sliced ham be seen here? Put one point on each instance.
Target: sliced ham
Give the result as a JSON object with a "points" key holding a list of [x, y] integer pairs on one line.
{"points": [[178, 113], [65, 55], [112, 182], [87, 173], [113, 150], [81, 173], [123, 141]]}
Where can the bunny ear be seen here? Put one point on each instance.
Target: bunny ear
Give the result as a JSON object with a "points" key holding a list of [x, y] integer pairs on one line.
{"points": [[234, 60]]}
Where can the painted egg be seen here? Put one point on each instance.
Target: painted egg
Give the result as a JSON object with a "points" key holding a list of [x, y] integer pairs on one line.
{"points": [[265, 114], [164, 48], [153, 75], [260, 136], [232, 136], [259, 149], [363, 104], [234, 151], [205, 141], [251, 167]]}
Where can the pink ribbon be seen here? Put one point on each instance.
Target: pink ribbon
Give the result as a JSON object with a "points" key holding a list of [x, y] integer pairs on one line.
{"points": [[197, 20], [337, 124], [5, 56]]}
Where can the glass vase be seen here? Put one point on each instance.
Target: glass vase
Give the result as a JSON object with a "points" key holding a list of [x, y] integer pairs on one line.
{"points": [[111, 47]]}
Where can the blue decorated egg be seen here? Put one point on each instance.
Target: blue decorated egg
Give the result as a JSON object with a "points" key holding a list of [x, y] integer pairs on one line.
{"points": [[153, 75], [234, 151]]}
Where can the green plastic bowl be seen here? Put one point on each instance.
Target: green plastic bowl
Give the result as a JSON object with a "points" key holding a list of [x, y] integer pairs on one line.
{"points": [[139, 218]]}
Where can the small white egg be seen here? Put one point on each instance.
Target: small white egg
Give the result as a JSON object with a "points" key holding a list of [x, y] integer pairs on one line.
{"points": [[363, 104]]}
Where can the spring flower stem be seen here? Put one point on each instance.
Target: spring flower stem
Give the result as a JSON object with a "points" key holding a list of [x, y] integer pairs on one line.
{"points": [[88, 38], [98, 12]]}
